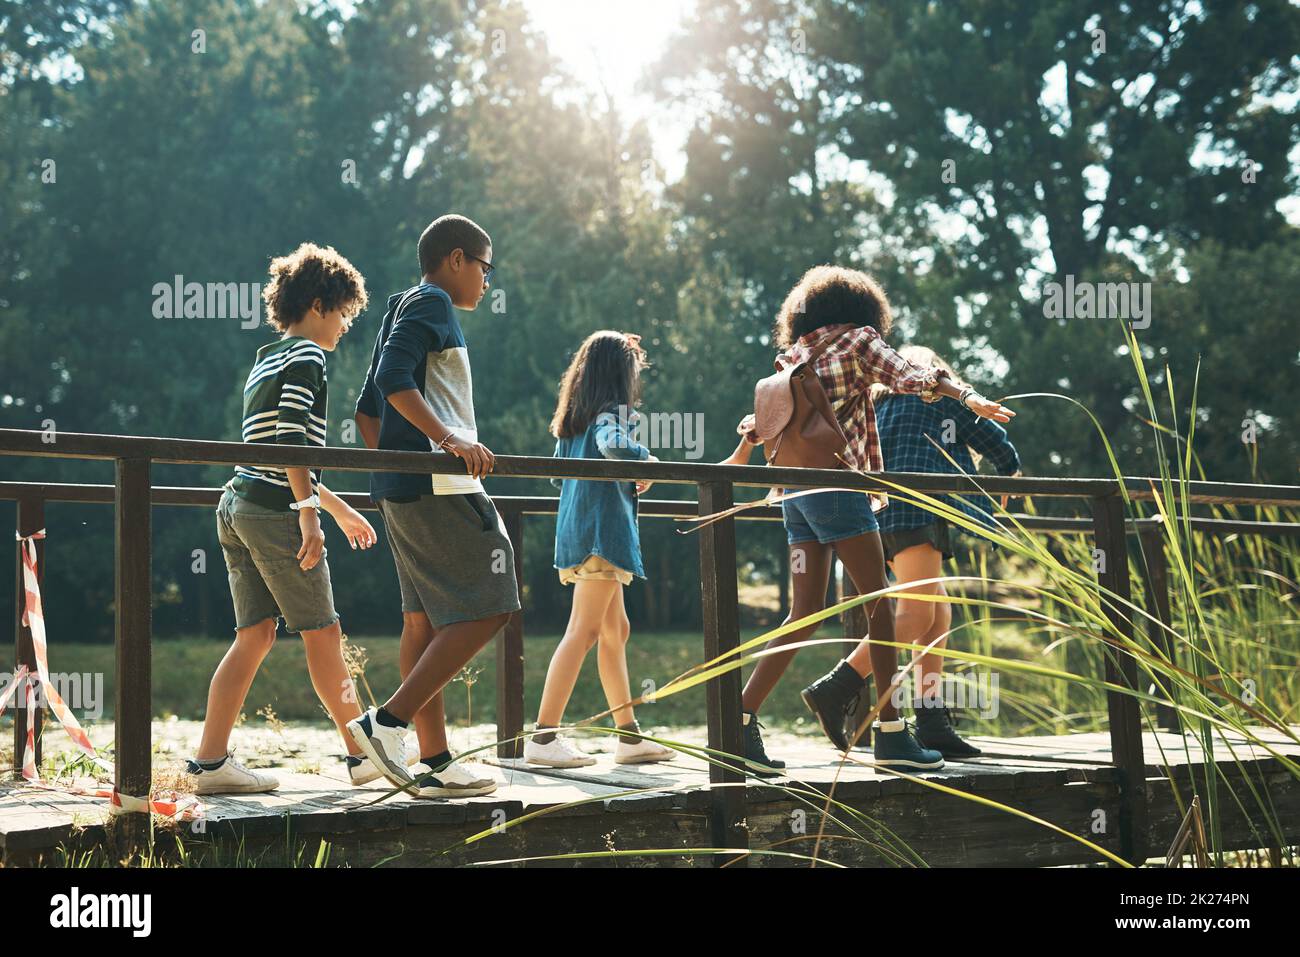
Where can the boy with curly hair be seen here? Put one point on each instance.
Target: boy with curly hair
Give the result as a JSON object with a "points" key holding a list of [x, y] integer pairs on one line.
{"points": [[268, 519]]}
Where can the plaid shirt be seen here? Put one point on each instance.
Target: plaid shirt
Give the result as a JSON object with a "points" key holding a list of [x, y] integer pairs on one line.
{"points": [[907, 426], [847, 371]]}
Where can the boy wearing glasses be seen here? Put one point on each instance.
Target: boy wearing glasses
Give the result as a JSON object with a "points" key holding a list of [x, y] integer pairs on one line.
{"points": [[455, 564]]}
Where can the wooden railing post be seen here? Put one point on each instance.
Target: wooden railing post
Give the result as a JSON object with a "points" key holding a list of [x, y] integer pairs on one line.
{"points": [[719, 601], [1124, 712], [510, 653], [31, 518], [1155, 581], [133, 613]]}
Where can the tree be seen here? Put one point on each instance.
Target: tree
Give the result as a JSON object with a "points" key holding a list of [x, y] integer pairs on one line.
{"points": [[1014, 144]]}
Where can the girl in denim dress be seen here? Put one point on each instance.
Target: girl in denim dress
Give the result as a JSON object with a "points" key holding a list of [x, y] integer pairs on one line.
{"points": [[597, 547]]}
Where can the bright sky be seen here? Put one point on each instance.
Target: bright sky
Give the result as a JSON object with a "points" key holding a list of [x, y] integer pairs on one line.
{"points": [[609, 43]]}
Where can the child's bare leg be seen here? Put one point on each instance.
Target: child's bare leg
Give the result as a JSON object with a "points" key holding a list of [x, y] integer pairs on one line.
{"points": [[810, 563], [330, 678], [611, 660], [914, 620], [932, 673], [452, 648], [590, 601], [229, 687], [430, 721], [864, 560]]}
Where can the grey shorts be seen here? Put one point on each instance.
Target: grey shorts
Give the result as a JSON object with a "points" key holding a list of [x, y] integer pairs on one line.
{"points": [[260, 546], [454, 561]]}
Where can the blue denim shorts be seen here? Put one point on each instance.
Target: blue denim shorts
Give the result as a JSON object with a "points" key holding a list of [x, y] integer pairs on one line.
{"points": [[828, 517]]}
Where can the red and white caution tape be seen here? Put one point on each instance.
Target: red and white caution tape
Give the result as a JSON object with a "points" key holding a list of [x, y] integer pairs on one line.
{"points": [[22, 679], [29, 750], [171, 805], [12, 690], [181, 807], [34, 619]]}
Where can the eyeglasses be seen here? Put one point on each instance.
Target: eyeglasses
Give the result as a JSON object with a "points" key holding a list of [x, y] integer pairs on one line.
{"points": [[488, 268]]}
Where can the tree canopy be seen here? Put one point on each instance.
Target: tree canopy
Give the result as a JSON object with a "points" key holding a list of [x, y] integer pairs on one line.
{"points": [[967, 154]]}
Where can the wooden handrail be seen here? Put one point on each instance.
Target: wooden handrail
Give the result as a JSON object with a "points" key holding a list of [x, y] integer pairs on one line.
{"points": [[202, 452], [184, 495], [133, 498]]}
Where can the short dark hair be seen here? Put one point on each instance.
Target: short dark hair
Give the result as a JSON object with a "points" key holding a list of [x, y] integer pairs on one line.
{"points": [[832, 296], [450, 232], [309, 273]]}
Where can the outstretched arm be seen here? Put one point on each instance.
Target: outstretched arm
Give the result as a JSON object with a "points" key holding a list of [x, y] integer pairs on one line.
{"points": [[883, 364], [745, 449]]}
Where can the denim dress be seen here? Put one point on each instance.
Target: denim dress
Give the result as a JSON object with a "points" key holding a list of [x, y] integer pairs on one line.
{"points": [[598, 517]]}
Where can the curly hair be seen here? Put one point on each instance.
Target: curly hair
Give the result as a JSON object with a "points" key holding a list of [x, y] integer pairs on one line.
{"points": [[831, 296], [309, 273]]}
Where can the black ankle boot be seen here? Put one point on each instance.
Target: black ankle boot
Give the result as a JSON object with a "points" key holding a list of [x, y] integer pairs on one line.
{"points": [[934, 730], [755, 753], [832, 698]]}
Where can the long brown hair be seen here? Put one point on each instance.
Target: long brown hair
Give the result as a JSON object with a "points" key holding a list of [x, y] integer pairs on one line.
{"points": [[918, 356], [605, 373]]}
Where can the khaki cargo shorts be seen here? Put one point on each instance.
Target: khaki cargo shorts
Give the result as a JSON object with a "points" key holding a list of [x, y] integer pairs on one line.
{"points": [[260, 546]]}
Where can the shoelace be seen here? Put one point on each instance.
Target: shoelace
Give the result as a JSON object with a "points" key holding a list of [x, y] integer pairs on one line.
{"points": [[236, 766], [755, 737]]}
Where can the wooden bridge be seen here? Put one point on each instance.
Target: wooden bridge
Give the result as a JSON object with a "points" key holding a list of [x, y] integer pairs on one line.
{"points": [[1122, 790]]}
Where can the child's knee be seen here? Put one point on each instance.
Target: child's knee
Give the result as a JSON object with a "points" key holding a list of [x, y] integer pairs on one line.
{"points": [[617, 633], [259, 637], [584, 638], [417, 627], [321, 637], [918, 614], [798, 611]]}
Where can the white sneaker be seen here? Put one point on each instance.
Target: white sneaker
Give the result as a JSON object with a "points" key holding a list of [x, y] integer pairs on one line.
{"points": [[384, 746], [231, 778], [631, 751], [456, 780], [560, 753], [363, 772]]}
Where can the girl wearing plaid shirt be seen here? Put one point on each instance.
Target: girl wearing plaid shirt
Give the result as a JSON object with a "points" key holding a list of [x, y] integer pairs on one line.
{"points": [[932, 437], [850, 308]]}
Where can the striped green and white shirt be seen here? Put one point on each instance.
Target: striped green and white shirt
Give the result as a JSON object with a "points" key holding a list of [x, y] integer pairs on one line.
{"points": [[284, 404]]}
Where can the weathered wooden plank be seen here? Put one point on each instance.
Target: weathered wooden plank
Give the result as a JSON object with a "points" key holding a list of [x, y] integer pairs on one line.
{"points": [[945, 830]]}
